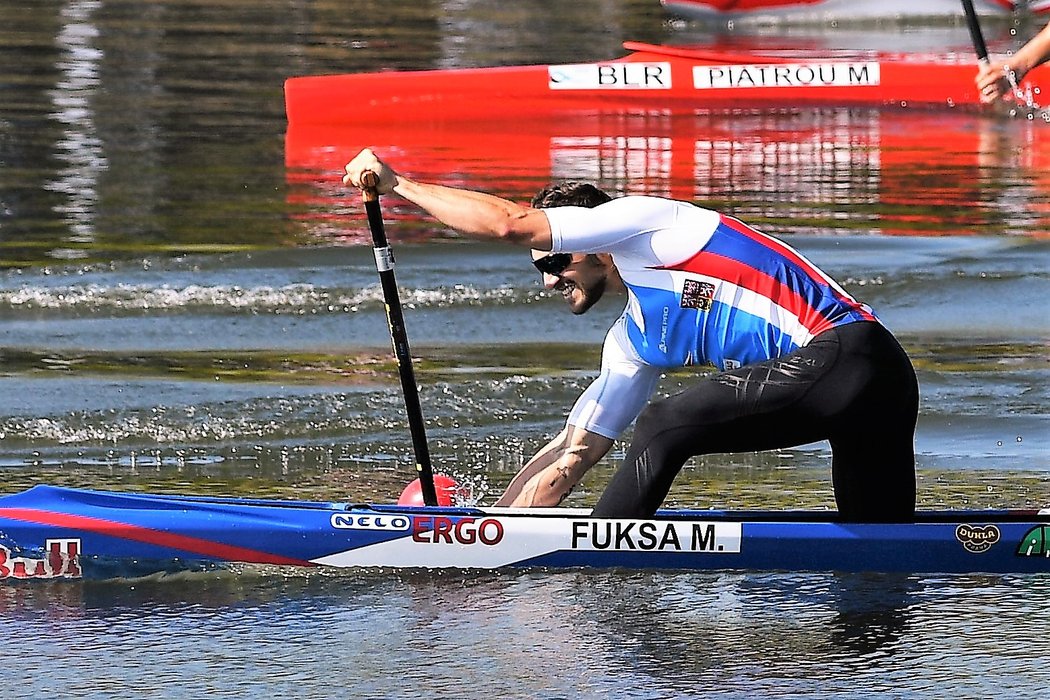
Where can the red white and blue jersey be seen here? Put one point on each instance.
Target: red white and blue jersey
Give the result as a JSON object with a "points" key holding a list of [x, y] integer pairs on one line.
{"points": [[703, 288]]}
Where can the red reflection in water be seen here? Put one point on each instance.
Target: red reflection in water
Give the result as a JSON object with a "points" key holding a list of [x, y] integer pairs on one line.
{"points": [[811, 170]]}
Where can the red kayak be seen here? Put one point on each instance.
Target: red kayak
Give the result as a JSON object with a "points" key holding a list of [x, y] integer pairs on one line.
{"points": [[830, 10], [648, 78]]}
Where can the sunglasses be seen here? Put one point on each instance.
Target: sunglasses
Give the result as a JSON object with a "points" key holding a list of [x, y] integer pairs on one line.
{"points": [[554, 263]]}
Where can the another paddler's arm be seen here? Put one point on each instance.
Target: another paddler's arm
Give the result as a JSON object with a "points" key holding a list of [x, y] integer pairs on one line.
{"points": [[556, 469], [474, 214], [991, 80]]}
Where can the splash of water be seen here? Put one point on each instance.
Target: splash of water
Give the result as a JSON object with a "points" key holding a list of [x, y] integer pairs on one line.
{"points": [[1026, 106]]}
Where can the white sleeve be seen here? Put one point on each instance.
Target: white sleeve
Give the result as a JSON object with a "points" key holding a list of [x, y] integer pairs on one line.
{"points": [[613, 400], [608, 227], [646, 230]]}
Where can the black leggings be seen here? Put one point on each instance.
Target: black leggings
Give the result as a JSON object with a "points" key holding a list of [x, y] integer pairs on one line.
{"points": [[852, 385]]}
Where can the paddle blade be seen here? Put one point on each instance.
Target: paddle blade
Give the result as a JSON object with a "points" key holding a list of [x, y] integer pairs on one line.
{"points": [[446, 488]]}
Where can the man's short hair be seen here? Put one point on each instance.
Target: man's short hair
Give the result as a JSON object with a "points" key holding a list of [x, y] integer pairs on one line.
{"points": [[569, 194]]}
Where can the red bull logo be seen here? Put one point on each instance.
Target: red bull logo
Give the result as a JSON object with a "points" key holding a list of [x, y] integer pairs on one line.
{"points": [[61, 559]]}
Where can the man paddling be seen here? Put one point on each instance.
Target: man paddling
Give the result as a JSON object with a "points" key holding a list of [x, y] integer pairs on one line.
{"points": [[798, 359]]}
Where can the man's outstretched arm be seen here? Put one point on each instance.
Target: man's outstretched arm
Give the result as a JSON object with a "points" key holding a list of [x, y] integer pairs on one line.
{"points": [[474, 214]]}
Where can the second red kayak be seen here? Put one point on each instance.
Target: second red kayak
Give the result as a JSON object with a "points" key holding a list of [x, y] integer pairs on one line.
{"points": [[840, 11]]}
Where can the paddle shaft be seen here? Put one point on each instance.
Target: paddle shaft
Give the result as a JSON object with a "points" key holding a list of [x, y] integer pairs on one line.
{"points": [[976, 35], [398, 336]]}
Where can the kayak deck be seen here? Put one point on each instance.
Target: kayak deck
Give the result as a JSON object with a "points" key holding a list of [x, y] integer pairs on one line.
{"points": [[52, 532]]}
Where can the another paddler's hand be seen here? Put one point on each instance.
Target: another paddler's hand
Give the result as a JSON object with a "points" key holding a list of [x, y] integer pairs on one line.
{"points": [[991, 81], [365, 161]]}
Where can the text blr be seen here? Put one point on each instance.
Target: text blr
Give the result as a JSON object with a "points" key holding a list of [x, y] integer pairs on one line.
{"points": [[610, 76]]}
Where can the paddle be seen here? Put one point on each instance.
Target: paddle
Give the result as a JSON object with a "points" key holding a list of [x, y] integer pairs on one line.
{"points": [[396, 322], [976, 35]]}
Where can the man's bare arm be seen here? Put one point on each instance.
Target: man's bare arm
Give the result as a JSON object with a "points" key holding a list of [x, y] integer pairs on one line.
{"points": [[556, 469], [475, 214]]}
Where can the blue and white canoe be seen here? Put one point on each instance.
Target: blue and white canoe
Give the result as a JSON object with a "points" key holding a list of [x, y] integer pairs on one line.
{"points": [[49, 532]]}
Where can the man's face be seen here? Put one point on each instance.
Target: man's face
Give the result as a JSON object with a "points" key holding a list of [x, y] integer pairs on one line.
{"points": [[580, 278]]}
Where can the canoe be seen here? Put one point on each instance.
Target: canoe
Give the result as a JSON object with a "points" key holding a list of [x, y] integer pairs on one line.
{"points": [[649, 78], [830, 10], [50, 532]]}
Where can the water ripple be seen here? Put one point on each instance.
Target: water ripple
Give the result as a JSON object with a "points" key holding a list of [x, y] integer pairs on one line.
{"points": [[292, 298]]}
